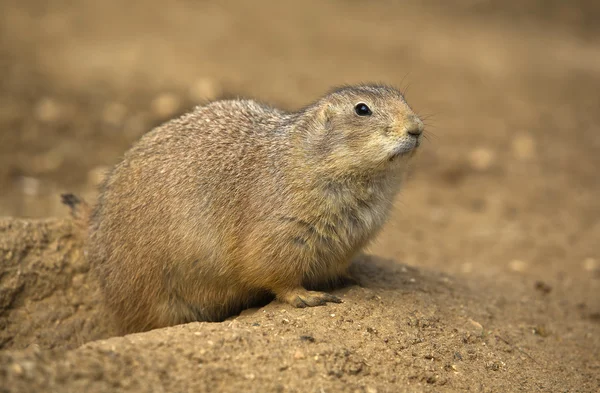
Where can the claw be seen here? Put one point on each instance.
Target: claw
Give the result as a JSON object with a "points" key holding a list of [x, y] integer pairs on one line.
{"points": [[302, 298], [298, 302]]}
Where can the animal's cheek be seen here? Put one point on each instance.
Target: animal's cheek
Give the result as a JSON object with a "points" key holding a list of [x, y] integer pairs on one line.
{"points": [[379, 145]]}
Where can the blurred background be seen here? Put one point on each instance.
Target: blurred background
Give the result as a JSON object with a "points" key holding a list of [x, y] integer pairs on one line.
{"points": [[506, 183]]}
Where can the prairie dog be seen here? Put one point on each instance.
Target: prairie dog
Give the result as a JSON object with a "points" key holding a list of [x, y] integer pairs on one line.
{"points": [[237, 200]]}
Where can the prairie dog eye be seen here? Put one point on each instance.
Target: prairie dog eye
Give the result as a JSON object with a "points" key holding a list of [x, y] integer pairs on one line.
{"points": [[362, 109]]}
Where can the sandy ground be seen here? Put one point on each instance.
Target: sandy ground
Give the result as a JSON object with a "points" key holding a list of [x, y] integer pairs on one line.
{"points": [[486, 279]]}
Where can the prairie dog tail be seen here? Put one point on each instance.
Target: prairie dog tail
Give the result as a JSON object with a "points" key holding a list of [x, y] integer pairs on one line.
{"points": [[80, 209]]}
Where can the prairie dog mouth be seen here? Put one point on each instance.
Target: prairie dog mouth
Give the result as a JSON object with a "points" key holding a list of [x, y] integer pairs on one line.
{"points": [[405, 146]]}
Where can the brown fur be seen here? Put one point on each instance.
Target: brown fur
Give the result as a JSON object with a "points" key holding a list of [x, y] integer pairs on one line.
{"points": [[236, 200]]}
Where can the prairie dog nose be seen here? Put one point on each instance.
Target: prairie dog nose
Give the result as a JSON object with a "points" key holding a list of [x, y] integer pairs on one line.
{"points": [[414, 126]]}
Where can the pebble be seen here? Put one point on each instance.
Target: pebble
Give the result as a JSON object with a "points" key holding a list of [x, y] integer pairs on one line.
{"points": [[543, 287], [17, 369], [481, 159], [166, 105], [540, 331], [299, 355], [31, 186], [48, 110], [517, 265], [523, 147], [590, 264]]}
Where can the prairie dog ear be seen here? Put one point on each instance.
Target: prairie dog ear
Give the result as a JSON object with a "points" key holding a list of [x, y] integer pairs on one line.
{"points": [[326, 114], [328, 111]]}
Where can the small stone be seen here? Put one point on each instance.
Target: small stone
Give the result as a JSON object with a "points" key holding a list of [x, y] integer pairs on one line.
{"points": [[481, 159], [540, 331], [543, 287], [494, 366], [523, 147], [590, 264], [371, 389], [48, 110], [166, 105], [17, 369], [31, 186], [28, 368], [517, 265], [299, 355], [595, 316]]}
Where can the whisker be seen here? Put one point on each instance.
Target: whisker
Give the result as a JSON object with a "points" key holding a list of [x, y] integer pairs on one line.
{"points": [[426, 117], [407, 88], [402, 81], [404, 88], [430, 134]]}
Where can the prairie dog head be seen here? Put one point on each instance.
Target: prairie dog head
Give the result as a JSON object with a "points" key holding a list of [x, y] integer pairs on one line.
{"points": [[364, 129]]}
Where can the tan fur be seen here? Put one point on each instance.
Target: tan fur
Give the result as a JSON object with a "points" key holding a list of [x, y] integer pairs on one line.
{"points": [[236, 200]]}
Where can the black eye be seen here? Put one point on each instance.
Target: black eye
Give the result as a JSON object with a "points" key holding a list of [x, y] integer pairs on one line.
{"points": [[362, 109]]}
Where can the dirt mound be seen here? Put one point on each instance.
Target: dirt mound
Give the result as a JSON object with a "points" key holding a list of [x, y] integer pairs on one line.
{"points": [[402, 329], [46, 298]]}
